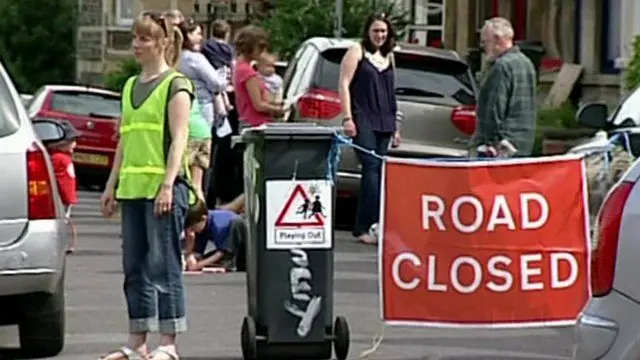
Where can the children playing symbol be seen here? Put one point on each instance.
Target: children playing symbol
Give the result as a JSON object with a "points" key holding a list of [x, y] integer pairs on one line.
{"points": [[304, 209], [317, 207]]}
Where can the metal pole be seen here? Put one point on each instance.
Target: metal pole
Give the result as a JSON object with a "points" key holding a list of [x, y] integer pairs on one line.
{"points": [[337, 21]]}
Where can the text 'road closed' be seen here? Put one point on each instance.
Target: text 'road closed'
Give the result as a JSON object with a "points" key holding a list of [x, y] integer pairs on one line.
{"points": [[497, 244]]}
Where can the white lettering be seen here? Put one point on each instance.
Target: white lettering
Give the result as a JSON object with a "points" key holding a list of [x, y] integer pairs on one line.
{"points": [[556, 282], [499, 273], [431, 276], [395, 271], [527, 223], [436, 214], [477, 274], [526, 272], [455, 214], [500, 206]]}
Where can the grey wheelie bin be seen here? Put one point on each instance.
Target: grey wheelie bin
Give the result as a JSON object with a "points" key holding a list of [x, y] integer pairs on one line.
{"points": [[289, 211]]}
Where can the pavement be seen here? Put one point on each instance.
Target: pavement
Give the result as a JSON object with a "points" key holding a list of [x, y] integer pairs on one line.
{"points": [[96, 316]]}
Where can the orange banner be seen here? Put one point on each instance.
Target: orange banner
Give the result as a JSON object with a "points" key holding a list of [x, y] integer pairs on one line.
{"points": [[496, 244]]}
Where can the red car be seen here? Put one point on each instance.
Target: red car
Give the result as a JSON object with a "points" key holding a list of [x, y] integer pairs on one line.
{"points": [[95, 113]]}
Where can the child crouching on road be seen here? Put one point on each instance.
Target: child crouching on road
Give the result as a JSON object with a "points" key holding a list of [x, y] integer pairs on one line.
{"points": [[225, 229], [61, 158]]}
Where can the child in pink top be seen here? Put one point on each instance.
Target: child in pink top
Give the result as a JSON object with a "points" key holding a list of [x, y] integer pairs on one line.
{"points": [[252, 100]]}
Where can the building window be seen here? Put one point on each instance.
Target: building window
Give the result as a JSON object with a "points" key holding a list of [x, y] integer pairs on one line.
{"points": [[610, 35], [124, 12], [428, 22]]}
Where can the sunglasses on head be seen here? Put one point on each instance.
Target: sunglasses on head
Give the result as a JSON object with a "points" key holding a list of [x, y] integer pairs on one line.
{"points": [[158, 18]]}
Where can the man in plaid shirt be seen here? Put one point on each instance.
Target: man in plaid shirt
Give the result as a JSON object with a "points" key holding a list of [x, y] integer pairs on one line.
{"points": [[506, 109]]}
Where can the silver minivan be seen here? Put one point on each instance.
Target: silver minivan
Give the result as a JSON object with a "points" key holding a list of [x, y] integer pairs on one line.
{"points": [[33, 233]]}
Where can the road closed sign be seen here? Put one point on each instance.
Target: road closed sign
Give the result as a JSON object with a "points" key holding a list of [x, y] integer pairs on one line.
{"points": [[495, 244], [299, 214]]}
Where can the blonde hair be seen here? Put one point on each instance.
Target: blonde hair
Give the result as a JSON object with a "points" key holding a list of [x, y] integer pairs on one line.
{"points": [[175, 16], [500, 27], [159, 27], [267, 58]]}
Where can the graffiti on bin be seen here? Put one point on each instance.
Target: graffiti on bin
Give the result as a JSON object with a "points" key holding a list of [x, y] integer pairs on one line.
{"points": [[300, 279]]}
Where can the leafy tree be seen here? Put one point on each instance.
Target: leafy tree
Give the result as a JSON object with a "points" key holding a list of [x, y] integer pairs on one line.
{"points": [[633, 69], [116, 79], [37, 41], [290, 22]]}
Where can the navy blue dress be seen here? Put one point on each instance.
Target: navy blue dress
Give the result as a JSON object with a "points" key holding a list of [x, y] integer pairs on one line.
{"points": [[373, 106]]}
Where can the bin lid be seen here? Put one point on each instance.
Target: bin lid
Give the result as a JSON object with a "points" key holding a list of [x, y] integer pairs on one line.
{"points": [[290, 129]]}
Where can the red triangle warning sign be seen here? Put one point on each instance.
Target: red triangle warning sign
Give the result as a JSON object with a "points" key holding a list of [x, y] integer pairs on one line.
{"points": [[298, 211]]}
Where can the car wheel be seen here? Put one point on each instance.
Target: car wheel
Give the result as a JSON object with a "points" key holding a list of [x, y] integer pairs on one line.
{"points": [[42, 325]]}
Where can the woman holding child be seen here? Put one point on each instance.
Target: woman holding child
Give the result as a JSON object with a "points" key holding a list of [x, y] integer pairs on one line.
{"points": [[149, 172]]}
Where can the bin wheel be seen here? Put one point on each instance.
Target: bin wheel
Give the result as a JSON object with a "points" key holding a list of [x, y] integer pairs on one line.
{"points": [[341, 338], [248, 339]]}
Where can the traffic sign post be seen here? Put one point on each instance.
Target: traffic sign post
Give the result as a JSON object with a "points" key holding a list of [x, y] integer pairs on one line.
{"points": [[289, 208]]}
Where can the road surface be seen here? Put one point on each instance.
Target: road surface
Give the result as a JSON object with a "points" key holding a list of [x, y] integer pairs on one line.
{"points": [[96, 317]]}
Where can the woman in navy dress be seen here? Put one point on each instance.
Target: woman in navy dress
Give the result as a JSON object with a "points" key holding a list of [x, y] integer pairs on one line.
{"points": [[367, 91]]}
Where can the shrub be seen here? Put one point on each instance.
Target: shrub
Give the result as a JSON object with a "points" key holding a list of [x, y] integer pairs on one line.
{"points": [[116, 79], [632, 75]]}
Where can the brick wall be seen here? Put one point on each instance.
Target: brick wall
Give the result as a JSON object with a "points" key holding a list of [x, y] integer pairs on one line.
{"points": [[89, 46], [90, 13]]}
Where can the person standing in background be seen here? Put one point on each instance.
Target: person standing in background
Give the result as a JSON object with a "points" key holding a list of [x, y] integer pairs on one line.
{"points": [[367, 91], [207, 83], [506, 109]]}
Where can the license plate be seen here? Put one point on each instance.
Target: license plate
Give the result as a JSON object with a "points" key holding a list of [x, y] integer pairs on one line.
{"points": [[92, 159]]}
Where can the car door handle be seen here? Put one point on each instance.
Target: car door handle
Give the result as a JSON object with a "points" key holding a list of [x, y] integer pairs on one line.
{"points": [[461, 141]]}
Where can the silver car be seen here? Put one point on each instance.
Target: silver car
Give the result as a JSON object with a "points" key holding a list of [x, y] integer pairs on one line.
{"points": [[434, 89], [33, 233]]}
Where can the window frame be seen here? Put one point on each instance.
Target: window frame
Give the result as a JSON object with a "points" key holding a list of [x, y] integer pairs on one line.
{"points": [[608, 61], [416, 27], [120, 18]]}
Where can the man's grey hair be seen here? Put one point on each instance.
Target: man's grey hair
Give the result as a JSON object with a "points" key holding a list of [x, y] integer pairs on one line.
{"points": [[499, 27]]}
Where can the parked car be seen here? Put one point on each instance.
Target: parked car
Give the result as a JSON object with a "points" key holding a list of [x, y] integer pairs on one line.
{"points": [[281, 67], [33, 233], [26, 99], [608, 327], [95, 113], [435, 91]]}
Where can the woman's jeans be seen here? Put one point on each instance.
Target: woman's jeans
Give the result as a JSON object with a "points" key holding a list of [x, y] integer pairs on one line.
{"points": [[151, 258], [371, 174]]}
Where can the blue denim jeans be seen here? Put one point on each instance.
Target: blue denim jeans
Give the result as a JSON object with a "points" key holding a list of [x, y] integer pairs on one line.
{"points": [[151, 258], [371, 175]]}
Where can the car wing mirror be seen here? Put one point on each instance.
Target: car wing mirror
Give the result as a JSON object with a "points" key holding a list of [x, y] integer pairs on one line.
{"points": [[48, 131], [593, 115]]}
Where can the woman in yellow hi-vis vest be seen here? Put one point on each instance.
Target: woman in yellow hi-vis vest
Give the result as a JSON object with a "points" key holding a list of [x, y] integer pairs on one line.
{"points": [[147, 180]]}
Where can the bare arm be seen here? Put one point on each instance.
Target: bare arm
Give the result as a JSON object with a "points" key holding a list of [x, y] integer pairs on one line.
{"points": [[179, 109], [347, 70], [260, 104], [189, 242]]}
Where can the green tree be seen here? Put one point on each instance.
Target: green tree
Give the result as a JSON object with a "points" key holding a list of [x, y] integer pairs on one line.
{"points": [[291, 22], [37, 41], [116, 79], [632, 75]]}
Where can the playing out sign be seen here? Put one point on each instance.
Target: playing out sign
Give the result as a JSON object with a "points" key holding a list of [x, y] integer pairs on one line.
{"points": [[299, 214]]}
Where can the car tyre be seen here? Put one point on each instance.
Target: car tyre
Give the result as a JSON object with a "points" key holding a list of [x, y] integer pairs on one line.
{"points": [[42, 325]]}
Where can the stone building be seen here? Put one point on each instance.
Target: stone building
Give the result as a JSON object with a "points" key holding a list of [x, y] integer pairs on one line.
{"points": [[104, 28], [594, 33]]}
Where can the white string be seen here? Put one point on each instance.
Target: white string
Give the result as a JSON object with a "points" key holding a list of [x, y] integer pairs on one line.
{"points": [[377, 341]]}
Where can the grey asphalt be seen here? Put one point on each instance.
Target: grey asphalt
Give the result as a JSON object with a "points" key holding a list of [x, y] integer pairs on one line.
{"points": [[96, 318]]}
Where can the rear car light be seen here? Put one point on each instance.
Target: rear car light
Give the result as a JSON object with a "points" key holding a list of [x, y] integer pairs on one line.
{"points": [[606, 235], [40, 189], [464, 119], [319, 104]]}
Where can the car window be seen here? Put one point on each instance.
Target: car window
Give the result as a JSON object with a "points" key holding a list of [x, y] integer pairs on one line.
{"points": [[629, 108], [288, 75], [417, 75], [297, 73], [86, 104], [9, 117]]}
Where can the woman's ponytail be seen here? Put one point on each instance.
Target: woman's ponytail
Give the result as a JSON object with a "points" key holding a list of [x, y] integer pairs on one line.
{"points": [[174, 48]]}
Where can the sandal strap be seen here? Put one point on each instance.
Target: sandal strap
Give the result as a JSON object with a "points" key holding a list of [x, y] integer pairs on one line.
{"points": [[126, 352], [165, 351]]}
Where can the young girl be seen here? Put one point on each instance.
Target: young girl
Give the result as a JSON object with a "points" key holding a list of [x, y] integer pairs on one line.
{"points": [[149, 167], [61, 158]]}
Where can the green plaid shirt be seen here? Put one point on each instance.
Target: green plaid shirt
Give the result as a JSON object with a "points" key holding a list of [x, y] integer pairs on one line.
{"points": [[507, 103]]}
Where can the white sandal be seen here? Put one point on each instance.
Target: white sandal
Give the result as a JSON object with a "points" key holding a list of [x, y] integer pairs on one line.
{"points": [[164, 351], [125, 354]]}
